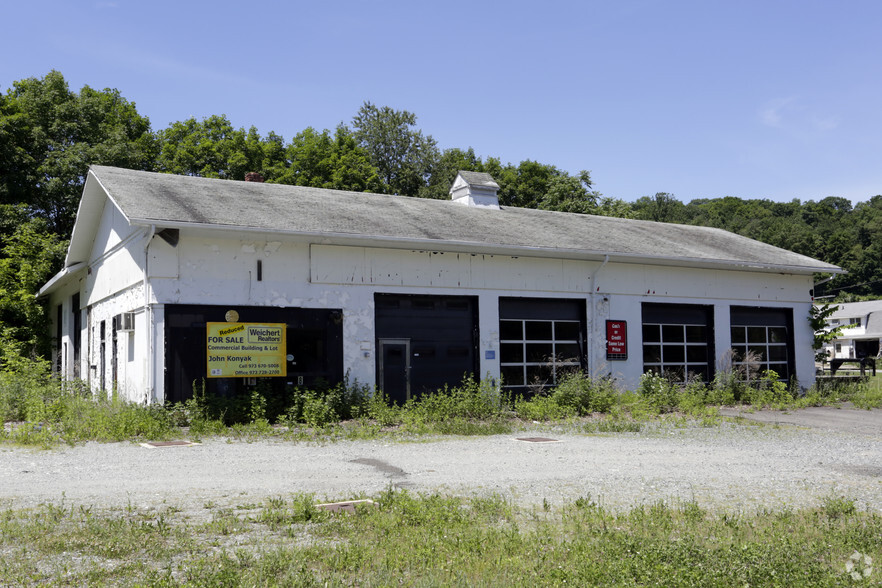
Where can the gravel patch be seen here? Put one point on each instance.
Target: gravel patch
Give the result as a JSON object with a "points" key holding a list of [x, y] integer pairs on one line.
{"points": [[729, 467]]}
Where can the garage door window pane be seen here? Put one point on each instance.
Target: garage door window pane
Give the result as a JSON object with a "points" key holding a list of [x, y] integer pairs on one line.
{"points": [[672, 333], [538, 330], [511, 330], [651, 333]]}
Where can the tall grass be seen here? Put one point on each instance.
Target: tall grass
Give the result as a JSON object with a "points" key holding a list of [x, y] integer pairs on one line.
{"points": [[435, 540], [869, 393], [38, 409]]}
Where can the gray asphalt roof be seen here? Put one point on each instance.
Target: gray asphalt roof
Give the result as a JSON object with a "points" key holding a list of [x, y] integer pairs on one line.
{"points": [[874, 325], [479, 179], [154, 198], [849, 310]]}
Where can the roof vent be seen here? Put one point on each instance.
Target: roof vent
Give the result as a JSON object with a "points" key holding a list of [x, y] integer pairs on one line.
{"points": [[475, 189]]}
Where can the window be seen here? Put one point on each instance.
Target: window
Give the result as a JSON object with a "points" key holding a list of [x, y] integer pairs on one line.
{"points": [[59, 332], [678, 341], [540, 341], [762, 340], [855, 322], [77, 333]]}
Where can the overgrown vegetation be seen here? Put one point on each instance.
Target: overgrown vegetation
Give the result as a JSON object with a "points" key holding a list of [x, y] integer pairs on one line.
{"points": [[436, 540], [37, 409]]}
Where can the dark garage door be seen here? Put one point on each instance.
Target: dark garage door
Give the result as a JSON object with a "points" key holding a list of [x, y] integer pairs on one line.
{"points": [[424, 342], [314, 343]]}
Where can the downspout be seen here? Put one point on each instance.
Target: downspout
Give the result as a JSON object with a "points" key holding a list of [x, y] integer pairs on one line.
{"points": [[148, 318], [816, 284], [594, 322]]}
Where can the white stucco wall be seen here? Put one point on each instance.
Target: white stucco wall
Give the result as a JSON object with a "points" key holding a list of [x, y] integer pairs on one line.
{"points": [[223, 271]]}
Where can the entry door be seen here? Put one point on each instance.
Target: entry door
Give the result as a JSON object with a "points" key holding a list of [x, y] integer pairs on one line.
{"points": [[395, 369]]}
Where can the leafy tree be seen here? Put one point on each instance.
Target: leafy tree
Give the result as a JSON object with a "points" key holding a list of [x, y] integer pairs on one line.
{"points": [[824, 333], [401, 153], [49, 136], [661, 207], [212, 148], [525, 185], [29, 254], [615, 207], [324, 161], [566, 193]]}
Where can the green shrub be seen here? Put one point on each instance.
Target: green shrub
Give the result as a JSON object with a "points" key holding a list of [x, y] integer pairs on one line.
{"points": [[584, 394], [768, 390], [659, 391], [378, 408], [26, 384], [472, 399], [542, 408]]}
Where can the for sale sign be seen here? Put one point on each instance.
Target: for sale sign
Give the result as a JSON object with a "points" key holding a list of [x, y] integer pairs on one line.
{"points": [[246, 350]]}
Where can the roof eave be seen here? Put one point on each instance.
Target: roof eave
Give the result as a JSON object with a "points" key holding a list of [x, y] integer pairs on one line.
{"points": [[59, 279]]}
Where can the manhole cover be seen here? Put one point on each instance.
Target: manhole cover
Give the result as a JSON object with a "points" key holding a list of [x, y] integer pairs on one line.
{"points": [[537, 440], [159, 444], [348, 506]]}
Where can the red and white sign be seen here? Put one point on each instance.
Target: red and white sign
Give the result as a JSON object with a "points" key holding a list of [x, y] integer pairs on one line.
{"points": [[616, 340]]}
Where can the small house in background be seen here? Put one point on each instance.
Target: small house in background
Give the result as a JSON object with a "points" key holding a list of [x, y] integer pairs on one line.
{"points": [[861, 324], [170, 280]]}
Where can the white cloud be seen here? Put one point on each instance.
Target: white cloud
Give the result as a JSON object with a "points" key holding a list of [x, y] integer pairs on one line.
{"points": [[772, 114], [793, 115]]}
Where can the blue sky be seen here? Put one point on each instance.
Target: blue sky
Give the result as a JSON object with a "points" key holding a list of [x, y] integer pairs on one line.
{"points": [[702, 99]]}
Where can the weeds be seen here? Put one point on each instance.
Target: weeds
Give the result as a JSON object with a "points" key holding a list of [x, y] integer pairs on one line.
{"points": [[442, 540], [40, 411]]}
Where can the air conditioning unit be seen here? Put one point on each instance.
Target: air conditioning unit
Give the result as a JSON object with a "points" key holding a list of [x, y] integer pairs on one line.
{"points": [[126, 321]]}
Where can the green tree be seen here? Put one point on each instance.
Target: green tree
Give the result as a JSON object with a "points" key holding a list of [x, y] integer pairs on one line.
{"points": [[29, 254], [49, 136], [661, 207], [615, 207], [212, 148], [824, 333], [566, 193], [324, 161], [401, 153]]}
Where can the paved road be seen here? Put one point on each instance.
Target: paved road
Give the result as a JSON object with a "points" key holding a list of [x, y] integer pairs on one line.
{"points": [[846, 419]]}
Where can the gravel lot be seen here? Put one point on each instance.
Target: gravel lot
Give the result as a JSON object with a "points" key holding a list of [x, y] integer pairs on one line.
{"points": [[737, 466]]}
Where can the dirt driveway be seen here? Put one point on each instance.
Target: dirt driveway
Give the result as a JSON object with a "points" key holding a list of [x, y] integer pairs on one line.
{"points": [[797, 459]]}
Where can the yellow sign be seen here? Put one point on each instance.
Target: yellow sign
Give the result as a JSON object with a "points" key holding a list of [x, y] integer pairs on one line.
{"points": [[246, 350]]}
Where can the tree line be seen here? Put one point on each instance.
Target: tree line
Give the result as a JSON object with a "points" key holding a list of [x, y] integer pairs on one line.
{"points": [[50, 135]]}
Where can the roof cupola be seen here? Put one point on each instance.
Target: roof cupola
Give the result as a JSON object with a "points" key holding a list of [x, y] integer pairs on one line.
{"points": [[475, 189]]}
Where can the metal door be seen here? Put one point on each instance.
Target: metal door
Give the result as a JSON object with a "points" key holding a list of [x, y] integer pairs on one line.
{"points": [[395, 369]]}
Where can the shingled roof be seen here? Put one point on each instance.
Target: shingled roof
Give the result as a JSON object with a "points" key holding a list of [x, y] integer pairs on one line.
{"points": [[166, 200]]}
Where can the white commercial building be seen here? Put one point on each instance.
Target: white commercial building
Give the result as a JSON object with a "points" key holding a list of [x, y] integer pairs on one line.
{"points": [[403, 293]]}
